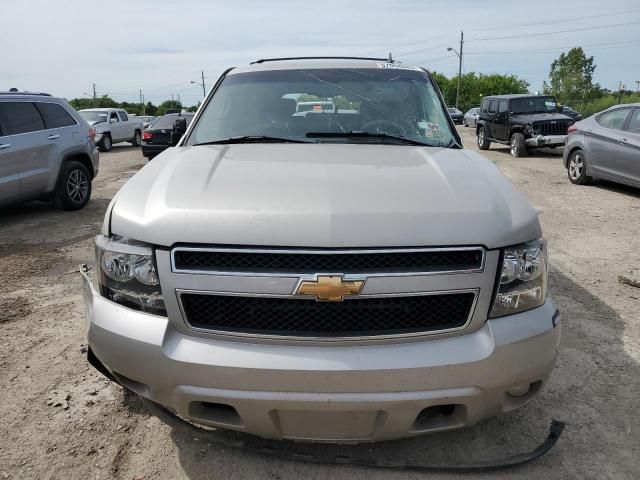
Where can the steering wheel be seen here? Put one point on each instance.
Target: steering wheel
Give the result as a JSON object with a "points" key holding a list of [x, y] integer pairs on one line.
{"points": [[386, 126]]}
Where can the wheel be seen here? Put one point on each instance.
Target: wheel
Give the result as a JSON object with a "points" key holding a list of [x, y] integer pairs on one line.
{"points": [[483, 143], [464, 122], [577, 168], [518, 147], [137, 139], [74, 187], [105, 143]]}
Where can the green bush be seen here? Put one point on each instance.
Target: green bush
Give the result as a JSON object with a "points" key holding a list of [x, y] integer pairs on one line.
{"points": [[597, 105]]}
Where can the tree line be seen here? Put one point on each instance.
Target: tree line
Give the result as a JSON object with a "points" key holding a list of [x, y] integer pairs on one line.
{"points": [[133, 108]]}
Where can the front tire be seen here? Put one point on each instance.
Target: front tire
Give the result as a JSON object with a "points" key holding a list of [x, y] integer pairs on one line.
{"points": [[465, 123], [74, 187], [483, 143], [577, 168], [518, 146], [137, 139], [105, 143]]}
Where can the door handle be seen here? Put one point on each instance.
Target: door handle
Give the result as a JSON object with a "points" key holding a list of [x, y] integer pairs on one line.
{"points": [[588, 131], [4, 145], [53, 137], [623, 141]]}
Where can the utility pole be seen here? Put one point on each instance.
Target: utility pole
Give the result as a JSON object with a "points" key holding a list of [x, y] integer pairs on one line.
{"points": [[619, 91], [459, 68], [94, 91], [459, 54], [204, 89], [637, 86], [141, 102]]}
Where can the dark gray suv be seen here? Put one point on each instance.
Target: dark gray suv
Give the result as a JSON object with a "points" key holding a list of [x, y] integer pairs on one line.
{"points": [[47, 151]]}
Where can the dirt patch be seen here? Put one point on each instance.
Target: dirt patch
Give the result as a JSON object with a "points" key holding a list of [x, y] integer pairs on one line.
{"points": [[13, 308]]}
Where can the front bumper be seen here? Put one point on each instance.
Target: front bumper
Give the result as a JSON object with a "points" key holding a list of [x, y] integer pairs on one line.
{"points": [[546, 141], [326, 393]]}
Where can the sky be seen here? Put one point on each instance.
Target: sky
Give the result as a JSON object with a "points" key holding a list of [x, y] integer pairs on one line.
{"points": [[160, 46]]}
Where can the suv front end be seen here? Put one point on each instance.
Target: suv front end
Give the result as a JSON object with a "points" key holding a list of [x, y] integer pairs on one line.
{"points": [[216, 361], [265, 285]]}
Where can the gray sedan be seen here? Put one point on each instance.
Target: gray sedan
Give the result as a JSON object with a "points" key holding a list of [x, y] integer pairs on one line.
{"points": [[471, 117], [606, 146]]}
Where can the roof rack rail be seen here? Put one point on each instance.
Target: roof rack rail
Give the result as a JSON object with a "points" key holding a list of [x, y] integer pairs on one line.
{"points": [[16, 92], [262, 60]]}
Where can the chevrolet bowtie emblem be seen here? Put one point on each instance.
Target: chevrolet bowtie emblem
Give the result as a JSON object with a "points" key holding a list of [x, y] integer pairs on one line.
{"points": [[329, 288]]}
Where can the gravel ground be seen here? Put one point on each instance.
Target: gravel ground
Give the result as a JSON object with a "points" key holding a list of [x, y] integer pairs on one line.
{"points": [[60, 419]]}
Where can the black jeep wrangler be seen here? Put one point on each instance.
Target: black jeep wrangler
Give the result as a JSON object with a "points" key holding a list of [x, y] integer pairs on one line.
{"points": [[522, 122]]}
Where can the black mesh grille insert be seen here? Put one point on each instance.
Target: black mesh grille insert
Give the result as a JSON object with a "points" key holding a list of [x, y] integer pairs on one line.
{"points": [[558, 127], [292, 262], [352, 317]]}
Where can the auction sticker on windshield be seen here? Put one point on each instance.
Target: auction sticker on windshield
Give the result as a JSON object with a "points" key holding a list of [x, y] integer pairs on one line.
{"points": [[398, 66]]}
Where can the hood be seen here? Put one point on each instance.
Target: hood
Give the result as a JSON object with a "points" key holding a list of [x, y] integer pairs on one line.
{"points": [[95, 122], [538, 117], [322, 195]]}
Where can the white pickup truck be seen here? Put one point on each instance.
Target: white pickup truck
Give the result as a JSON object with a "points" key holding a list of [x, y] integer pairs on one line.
{"points": [[113, 125]]}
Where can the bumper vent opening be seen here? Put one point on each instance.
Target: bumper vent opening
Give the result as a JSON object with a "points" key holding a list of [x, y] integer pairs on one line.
{"points": [[439, 417], [216, 413]]}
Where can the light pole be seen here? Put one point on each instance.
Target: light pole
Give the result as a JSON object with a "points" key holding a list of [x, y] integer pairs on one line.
{"points": [[459, 54], [202, 84]]}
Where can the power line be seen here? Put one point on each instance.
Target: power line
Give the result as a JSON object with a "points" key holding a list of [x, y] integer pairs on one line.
{"points": [[564, 21], [402, 45], [554, 33], [432, 60], [556, 21], [594, 45], [421, 50]]}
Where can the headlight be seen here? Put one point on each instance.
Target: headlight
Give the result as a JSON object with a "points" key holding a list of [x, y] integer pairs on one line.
{"points": [[128, 274], [523, 280]]}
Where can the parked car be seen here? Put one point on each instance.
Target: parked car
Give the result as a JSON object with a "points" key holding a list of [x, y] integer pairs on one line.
{"points": [[146, 120], [47, 151], [606, 146], [523, 122], [113, 125], [570, 112], [334, 277], [157, 138], [471, 117], [456, 115]]}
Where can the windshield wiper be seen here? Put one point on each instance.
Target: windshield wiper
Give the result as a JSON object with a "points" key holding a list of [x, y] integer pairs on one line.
{"points": [[251, 139], [359, 134]]}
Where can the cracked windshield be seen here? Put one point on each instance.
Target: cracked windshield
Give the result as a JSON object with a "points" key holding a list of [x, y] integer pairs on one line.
{"points": [[367, 105]]}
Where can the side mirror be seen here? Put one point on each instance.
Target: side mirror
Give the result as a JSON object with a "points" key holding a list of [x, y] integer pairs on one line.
{"points": [[113, 120]]}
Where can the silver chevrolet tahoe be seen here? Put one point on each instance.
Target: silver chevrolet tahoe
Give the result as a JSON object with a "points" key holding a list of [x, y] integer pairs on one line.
{"points": [[346, 276]]}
